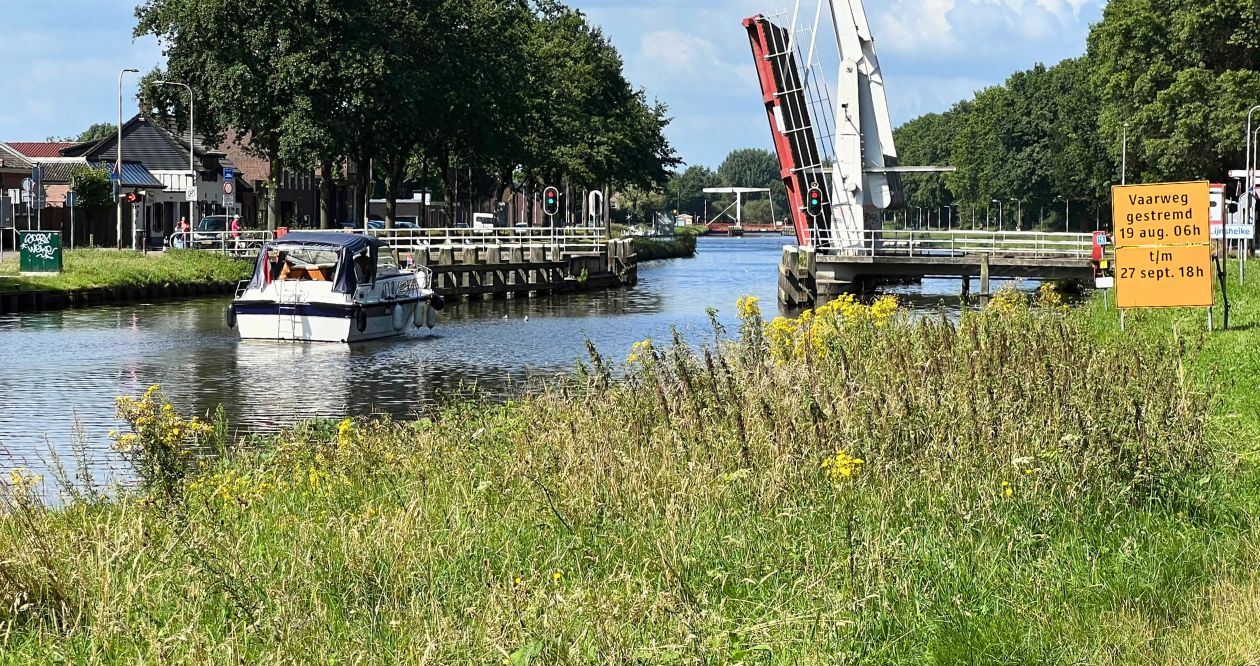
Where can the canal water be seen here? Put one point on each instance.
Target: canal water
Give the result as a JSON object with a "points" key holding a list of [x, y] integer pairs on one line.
{"points": [[60, 371]]}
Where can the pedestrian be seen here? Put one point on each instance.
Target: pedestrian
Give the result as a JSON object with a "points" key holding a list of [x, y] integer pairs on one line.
{"points": [[236, 231], [181, 235]]}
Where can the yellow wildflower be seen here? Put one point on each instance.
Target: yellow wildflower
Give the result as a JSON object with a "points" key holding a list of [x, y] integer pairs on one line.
{"points": [[1007, 490], [640, 351], [22, 482], [748, 308], [841, 466], [345, 432]]}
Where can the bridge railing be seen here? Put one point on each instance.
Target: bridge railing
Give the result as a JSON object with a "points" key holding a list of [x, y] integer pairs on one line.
{"points": [[1025, 244], [569, 239], [572, 239], [235, 243]]}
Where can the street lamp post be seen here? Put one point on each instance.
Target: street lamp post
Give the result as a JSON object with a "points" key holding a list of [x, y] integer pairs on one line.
{"points": [[1019, 214], [999, 203], [1251, 176], [192, 160], [1067, 213], [1124, 156], [118, 162]]}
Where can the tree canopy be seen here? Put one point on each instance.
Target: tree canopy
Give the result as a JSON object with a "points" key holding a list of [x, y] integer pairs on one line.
{"points": [[513, 92], [1181, 74]]}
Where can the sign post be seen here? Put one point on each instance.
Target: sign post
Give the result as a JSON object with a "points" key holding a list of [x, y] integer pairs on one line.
{"points": [[72, 200], [37, 194], [1163, 247]]}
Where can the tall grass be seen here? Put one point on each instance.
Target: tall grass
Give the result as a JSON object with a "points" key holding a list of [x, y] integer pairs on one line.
{"points": [[93, 267], [1013, 492]]}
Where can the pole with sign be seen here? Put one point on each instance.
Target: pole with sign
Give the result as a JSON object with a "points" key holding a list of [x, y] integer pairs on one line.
{"points": [[1163, 247], [72, 200], [37, 195], [229, 190]]}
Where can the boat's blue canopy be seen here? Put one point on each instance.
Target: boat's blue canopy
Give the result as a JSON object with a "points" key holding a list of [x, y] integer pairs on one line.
{"points": [[347, 246], [351, 242]]}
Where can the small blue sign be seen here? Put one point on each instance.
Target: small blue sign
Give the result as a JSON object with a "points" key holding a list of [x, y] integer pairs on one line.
{"points": [[228, 174]]}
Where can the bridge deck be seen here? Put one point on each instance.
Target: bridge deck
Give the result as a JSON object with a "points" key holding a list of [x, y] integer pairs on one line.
{"points": [[808, 274], [963, 265]]}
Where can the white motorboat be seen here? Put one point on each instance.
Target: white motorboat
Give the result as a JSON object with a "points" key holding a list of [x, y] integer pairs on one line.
{"points": [[332, 287]]}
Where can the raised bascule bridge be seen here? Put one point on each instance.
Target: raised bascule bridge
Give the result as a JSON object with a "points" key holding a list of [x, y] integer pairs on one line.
{"points": [[839, 166]]}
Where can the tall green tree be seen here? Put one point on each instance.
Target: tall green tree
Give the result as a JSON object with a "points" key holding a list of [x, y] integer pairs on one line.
{"points": [[685, 189], [750, 167], [1183, 75], [244, 82]]}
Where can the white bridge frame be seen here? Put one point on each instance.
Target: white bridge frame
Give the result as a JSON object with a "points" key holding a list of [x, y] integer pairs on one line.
{"points": [[739, 193], [865, 153]]}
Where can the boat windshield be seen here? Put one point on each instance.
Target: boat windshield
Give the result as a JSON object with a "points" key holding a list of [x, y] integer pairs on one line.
{"points": [[386, 264]]}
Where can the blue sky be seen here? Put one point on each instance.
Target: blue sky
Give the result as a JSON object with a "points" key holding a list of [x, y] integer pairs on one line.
{"points": [[62, 57]]}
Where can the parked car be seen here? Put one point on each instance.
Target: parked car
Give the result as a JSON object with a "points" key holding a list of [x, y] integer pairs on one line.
{"points": [[377, 225], [209, 232]]}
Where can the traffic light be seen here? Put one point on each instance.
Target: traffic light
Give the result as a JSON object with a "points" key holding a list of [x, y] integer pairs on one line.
{"points": [[814, 201], [551, 201], [133, 197]]}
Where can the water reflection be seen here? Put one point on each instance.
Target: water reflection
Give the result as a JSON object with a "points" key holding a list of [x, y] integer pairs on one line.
{"points": [[57, 366]]}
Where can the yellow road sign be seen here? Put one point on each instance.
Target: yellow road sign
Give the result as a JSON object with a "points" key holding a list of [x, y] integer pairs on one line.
{"points": [[1161, 214], [1164, 277]]}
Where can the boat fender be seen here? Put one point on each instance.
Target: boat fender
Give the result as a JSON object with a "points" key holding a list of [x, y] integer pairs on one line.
{"points": [[399, 317], [439, 302], [360, 319], [229, 314], [418, 317], [430, 316]]}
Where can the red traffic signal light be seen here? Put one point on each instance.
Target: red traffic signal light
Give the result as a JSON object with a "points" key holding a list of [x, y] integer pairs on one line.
{"points": [[814, 201], [132, 197], [551, 201]]}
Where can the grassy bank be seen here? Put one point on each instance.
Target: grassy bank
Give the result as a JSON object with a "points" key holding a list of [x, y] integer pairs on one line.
{"points": [[852, 488], [91, 268], [679, 247]]}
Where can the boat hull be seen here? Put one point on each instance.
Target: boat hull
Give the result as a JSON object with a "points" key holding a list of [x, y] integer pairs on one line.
{"points": [[317, 322]]}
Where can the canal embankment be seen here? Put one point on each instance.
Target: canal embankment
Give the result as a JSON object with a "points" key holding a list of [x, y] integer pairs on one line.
{"points": [[102, 277], [682, 246], [856, 481]]}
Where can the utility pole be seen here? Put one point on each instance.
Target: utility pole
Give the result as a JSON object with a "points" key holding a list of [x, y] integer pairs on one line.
{"points": [[1124, 156], [118, 163], [192, 167]]}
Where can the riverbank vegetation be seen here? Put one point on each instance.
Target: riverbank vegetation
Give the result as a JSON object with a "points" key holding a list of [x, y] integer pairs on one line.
{"points": [[92, 268], [853, 486], [681, 246]]}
